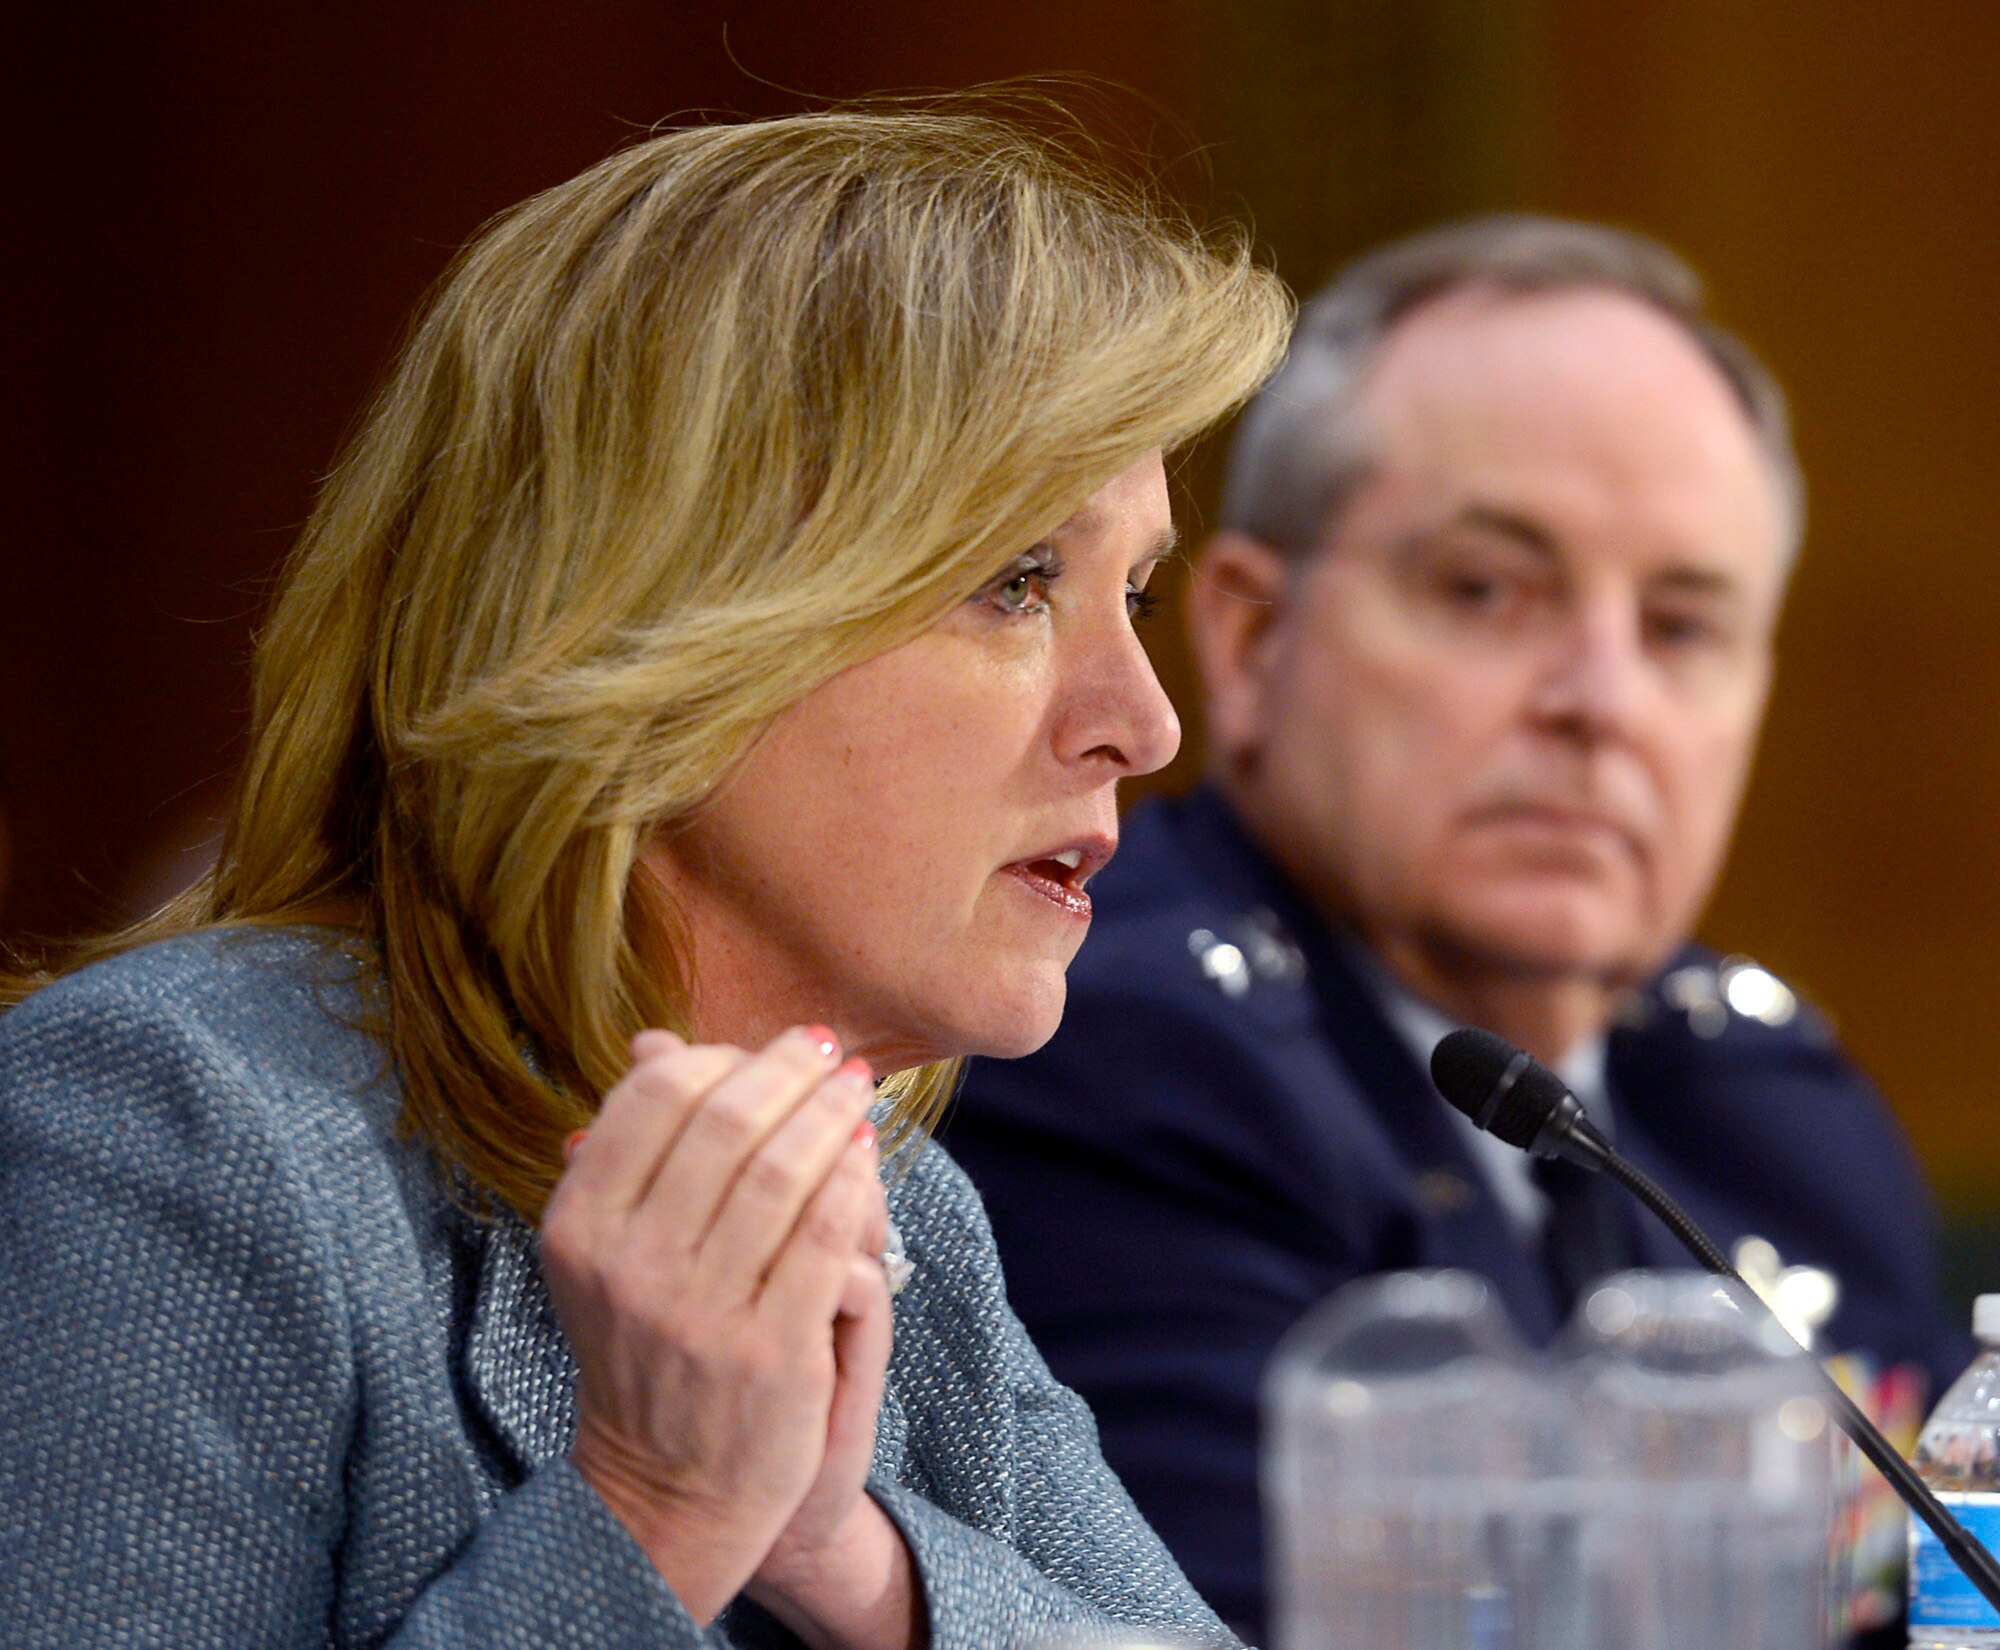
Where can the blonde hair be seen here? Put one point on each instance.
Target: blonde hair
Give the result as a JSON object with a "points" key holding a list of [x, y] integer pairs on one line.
{"points": [[675, 442]]}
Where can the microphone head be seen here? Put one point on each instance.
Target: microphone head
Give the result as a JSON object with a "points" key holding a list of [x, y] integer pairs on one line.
{"points": [[1496, 1085]]}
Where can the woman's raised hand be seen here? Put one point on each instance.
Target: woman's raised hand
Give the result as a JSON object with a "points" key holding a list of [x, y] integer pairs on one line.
{"points": [[840, 1575], [700, 1250]]}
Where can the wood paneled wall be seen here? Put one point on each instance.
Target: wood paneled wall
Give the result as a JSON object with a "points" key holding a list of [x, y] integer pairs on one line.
{"points": [[1835, 172], [220, 217]]}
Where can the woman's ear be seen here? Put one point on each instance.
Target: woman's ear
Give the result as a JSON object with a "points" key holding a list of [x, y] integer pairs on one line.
{"points": [[1235, 602]]}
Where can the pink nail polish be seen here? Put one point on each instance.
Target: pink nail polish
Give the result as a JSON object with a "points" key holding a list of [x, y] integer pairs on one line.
{"points": [[823, 1039], [856, 1067], [864, 1133], [574, 1139]]}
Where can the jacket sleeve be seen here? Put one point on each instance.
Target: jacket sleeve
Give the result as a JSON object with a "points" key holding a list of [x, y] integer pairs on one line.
{"points": [[179, 1385], [1052, 1545]]}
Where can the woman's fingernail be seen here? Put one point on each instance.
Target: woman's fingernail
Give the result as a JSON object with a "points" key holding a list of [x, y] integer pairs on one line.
{"points": [[858, 1069], [573, 1140], [648, 1043], [864, 1133], [822, 1039]]}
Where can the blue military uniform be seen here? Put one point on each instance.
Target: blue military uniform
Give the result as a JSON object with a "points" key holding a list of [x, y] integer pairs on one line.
{"points": [[1227, 1128]]}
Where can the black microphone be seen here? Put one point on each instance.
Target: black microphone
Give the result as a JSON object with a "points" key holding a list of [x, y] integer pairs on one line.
{"points": [[1516, 1097], [1513, 1095]]}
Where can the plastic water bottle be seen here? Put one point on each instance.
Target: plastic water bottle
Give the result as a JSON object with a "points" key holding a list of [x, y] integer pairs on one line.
{"points": [[1958, 1455]]}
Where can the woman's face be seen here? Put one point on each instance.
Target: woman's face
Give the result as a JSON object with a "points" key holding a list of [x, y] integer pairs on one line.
{"points": [[902, 856]]}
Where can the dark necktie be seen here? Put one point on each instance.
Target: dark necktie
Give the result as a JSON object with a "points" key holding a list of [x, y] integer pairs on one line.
{"points": [[1586, 1235]]}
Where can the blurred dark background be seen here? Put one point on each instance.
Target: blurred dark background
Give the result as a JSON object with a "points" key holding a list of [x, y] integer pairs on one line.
{"points": [[219, 218]]}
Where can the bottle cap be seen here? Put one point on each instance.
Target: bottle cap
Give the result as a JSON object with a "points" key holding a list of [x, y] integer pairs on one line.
{"points": [[1986, 1318]]}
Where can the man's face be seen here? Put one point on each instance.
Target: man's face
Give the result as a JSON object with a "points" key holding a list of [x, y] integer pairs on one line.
{"points": [[1506, 713]]}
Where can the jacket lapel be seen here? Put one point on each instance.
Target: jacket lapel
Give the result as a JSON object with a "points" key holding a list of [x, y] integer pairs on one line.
{"points": [[517, 1361], [522, 1374]]}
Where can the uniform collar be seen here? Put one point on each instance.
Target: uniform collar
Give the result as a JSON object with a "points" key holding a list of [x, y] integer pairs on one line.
{"points": [[1421, 1026], [1509, 1171], [1235, 861]]}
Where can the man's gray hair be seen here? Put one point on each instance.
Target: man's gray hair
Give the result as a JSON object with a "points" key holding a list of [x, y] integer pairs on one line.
{"points": [[1299, 452]]}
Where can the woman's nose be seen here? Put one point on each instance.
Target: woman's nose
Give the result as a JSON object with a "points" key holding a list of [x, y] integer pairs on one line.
{"points": [[1117, 712]]}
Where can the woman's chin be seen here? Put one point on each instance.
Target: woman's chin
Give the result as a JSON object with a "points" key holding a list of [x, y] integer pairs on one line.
{"points": [[1018, 1019]]}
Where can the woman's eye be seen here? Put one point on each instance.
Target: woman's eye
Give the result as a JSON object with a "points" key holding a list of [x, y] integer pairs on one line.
{"points": [[1023, 588], [1017, 593], [1141, 603]]}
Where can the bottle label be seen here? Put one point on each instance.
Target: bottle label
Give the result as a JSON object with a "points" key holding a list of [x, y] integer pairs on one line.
{"points": [[1939, 1595]]}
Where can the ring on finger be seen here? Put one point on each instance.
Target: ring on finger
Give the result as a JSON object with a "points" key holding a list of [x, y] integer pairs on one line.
{"points": [[896, 1265]]}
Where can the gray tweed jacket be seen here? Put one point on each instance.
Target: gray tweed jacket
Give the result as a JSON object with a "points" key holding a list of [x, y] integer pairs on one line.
{"points": [[262, 1383]]}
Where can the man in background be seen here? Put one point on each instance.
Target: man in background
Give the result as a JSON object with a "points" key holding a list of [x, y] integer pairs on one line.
{"points": [[1485, 641]]}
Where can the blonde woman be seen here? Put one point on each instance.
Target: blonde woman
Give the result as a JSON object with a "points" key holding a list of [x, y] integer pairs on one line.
{"points": [[699, 690]]}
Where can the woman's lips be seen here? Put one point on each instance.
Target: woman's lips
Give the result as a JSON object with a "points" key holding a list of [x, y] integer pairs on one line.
{"points": [[1047, 878]]}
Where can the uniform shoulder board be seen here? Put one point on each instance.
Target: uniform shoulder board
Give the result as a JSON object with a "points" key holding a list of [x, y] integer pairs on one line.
{"points": [[1710, 997], [1251, 950]]}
